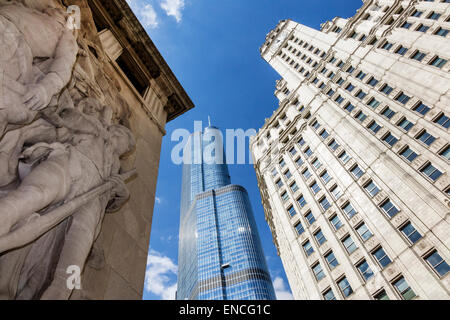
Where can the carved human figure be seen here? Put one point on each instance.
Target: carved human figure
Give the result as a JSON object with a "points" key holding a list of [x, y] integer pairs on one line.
{"points": [[37, 54]]}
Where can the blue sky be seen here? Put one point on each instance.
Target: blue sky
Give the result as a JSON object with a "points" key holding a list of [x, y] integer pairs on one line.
{"points": [[213, 48]]}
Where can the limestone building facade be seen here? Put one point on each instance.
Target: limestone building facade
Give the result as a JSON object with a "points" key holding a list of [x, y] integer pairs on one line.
{"points": [[353, 164], [116, 85]]}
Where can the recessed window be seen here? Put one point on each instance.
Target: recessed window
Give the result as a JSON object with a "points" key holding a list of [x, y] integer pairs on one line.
{"points": [[306, 174], [421, 108], [410, 232], [373, 82], [381, 257], [387, 46], [282, 163], [349, 107], [340, 81], [349, 244], [279, 183], [320, 238], [373, 103], [301, 201], [445, 153], [389, 208], [382, 295], [390, 139], [339, 99], [361, 116], [364, 232], [417, 14], [401, 50], [406, 25], [318, 272], [418, 56], [308, 152], [299, 228], [345, 287], [431, 172], [310, 218], [344, 157], [292, 211], [336, 222], [325, 204], [364, 270], [361, 75], [438, 62], [386, 89], [372, 188], [326, 177], [361, 95], [350, 87], [426, 138], [374, 127], [423, 28], [301, 142], [443, 121], [333, 145], [388, 113], [328, 295], [336, 192], [357, 171], [294, 187], [307, 247], [404, 289], [331, 260], [324, 134], [437, 263], [350, 69], [441, 32], [403, 98], [405, 124], [288, 174], [408, 154], [285, 196], [349, 210], [434, 16]]}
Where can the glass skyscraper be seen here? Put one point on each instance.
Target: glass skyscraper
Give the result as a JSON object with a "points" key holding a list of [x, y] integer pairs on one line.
{"points": [[220, 253]]}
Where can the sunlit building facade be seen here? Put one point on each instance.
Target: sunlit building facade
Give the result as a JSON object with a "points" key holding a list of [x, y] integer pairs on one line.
{"points": [[353, 164], [220, 253]]}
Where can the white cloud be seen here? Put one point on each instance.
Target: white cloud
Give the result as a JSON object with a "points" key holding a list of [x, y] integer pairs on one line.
{"points": [[281, 291], [173, 8], [159, 276], [145, 12]]}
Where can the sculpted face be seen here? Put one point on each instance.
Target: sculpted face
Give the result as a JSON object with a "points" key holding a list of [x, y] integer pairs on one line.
{"points": [[122, 139]]}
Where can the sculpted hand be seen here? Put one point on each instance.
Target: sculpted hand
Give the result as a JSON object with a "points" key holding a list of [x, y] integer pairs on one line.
{"points": [[37, 98]]}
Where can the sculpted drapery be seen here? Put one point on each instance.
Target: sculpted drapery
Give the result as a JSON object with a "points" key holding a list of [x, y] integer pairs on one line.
{"points": [[62, 135]]}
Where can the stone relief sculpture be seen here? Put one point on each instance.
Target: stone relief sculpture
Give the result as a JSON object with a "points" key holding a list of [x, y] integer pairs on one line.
{"points": [[63, 132]]}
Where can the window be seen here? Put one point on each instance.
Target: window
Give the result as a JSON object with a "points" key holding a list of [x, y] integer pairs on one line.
{"points": [[349, 210], [445, 153], [294, 187], [405, 124], [301, 142], [361, 94], [361, 75], [386, 89], [318, 272], [372, 188], [374, 127], [401, 50], [350, 87], [331, 260], [410, 232], [334, 145], [373, 82], [417, 14], [408, 154], [329, 295], [340, 81], [316, 163], [308, 152], [390, 139], [434, 16], [336, 192], [292, 211], [279, 183], [365, 270], [350, 69], [282, 163], [324, 134], [288, 174], [349, 107], [320, 238], [422, 28], [310, 218], [293, 151], [426, 138], [299, 228], [388, 113], [339, 99], [403, 98], [299, 162], [404, 289], [325, 203], [373, 103], [382, 295], [345, 287], [421, 108], [308, 248], [364, 232], [330, 93], [306, 174], [437, 263], [336, 222], [315, 187], [442, 32], [387, 46], [418, 56], [326, 177], [381, 257], [301, 201], [389, 208], [431, 172], [285, 196], [315, 125], [357, 172], [443, 120], [344, 157], [361, 116], [349, 245], [438, 62], [406, 25]]}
